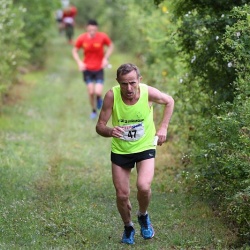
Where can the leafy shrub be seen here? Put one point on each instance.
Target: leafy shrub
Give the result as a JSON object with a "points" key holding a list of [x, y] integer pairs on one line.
{"points": [[222, 155], [25, 27], [222, 160], [203, 24], [13, 46], [37, 19]]}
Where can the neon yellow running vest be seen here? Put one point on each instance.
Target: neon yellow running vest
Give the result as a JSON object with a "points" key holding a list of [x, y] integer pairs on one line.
{"points": [[136, 120]]}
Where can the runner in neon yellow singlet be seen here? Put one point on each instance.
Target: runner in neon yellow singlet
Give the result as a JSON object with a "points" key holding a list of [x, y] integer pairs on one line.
{"points": [[135, 120], [130, 105]]}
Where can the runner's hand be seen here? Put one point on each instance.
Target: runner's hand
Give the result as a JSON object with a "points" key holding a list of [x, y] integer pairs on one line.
{"points": [[117, 132], [105, 62], [162, 136], [81, 66]]}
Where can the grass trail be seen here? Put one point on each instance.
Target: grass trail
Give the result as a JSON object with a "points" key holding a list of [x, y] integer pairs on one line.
{"points": [[56, 187]]}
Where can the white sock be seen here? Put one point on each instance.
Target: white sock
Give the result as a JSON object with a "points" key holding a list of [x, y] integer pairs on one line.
{"points": [[129, 224], [140, 213]]}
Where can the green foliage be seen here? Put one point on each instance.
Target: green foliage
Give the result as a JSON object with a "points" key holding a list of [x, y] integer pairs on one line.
{"points": [[157, 2], [205, 6], [199, 35], [13, 46], [155, 44], [89, 10], [222, 159], [24, 27], [37, 19], [222, 141], [235, 44]]}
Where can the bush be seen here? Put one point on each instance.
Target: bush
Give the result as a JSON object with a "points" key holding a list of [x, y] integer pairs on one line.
{"points": [[222, 142], [203, 24], [222, 160], [24, 26], [37, 19], [13, 46]]}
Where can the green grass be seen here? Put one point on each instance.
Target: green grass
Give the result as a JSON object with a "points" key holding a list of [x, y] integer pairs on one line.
{"points": [[55, 178]]}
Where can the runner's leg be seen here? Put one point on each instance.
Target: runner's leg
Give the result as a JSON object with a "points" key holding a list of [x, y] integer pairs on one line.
{"points": [[91, 92], [145, 174], [98, 89], [98, 92], [121, 177]]}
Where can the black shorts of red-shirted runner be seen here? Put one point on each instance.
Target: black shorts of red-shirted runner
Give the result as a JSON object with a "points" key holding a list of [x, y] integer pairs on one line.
{"points": [[93, 76]]}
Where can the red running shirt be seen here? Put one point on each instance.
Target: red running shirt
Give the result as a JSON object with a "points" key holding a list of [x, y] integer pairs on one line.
{"points": [[70, 12], [93, 49]]}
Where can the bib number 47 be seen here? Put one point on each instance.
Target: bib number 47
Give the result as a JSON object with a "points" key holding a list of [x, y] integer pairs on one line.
{"points": [[132, 133]]}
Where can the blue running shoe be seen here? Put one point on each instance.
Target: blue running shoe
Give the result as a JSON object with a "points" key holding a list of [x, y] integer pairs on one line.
{"points": [[99, 102], [147, 230], [93, 115], [128, 235]]}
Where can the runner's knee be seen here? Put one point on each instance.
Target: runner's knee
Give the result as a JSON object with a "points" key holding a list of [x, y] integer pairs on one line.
{"points": [[91, 92], [144, 187], [122, 196]]}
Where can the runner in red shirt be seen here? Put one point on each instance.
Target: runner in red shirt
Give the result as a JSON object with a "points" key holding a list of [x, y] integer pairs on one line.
{"points": [[93, 44], [68, 19]]}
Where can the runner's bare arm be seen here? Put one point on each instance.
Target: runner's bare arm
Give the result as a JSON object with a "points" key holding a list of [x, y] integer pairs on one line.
{"points": [[81, 65], [105, 114], [159, 97], [109, 50], [108, 53]]}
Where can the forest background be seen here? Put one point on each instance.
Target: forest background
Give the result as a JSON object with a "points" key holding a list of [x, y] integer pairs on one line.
{"points": [[201, 49]]}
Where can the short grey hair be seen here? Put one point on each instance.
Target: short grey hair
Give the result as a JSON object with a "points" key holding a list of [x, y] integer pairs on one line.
{"points": [[127, 68]]}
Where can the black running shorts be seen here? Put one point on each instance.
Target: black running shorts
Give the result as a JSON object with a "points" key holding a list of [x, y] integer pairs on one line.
{"points": [[129, 160], [93, 76]]}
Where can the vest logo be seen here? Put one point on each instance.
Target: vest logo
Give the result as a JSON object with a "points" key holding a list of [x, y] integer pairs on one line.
{"points": [[85, 45], [130, 121], [97, 45]]}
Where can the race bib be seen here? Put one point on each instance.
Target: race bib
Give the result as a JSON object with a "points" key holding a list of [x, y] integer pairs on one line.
{"points": [[133, 132]]}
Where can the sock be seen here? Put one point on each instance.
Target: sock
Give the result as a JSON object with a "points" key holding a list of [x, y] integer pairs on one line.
{"points": [[140, 214], [129, 224], [94, 111]]}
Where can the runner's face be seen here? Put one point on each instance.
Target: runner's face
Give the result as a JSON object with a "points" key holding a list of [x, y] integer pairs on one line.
{"points": [[129, 84], [92, 29]]}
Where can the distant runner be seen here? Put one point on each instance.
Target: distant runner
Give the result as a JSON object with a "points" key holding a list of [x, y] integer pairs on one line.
{"points": [[68, 20], [93, 43]]}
